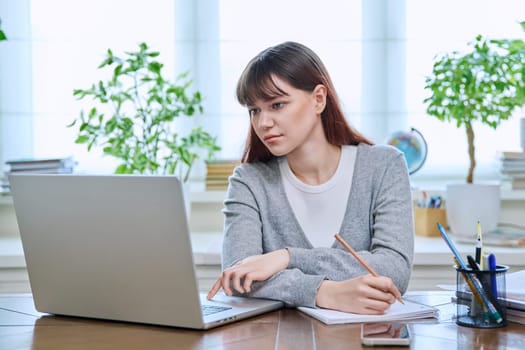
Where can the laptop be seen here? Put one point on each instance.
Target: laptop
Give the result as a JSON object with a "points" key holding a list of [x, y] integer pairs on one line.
{"points": [[116, 247]]}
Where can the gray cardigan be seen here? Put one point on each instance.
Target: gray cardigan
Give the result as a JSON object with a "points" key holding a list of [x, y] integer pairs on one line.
{"points": [[378, 224]]}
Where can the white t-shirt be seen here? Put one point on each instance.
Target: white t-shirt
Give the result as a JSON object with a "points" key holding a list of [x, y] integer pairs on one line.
{"points": [[320, 209]]}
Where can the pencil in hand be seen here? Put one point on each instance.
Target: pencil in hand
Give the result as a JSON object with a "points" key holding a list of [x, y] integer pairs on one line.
{"points": [[360, 260]]}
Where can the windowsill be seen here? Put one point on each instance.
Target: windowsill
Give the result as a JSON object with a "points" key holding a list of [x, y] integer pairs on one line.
{"points": [[11, 253], [207, 248], [507, 194], [197, 192], [200, 195], [439, 187], [207, 242]]}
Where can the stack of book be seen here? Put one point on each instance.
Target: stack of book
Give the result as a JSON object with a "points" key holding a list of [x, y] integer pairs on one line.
{"points": [[513, 168], [218, 172], [515, 297], [38, 165]]}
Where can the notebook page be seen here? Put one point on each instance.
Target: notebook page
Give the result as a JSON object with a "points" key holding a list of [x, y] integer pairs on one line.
{"points": [[396, 312]]}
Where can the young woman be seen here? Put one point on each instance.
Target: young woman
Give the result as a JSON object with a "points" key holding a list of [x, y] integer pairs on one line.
{"points": [[305, 176]]}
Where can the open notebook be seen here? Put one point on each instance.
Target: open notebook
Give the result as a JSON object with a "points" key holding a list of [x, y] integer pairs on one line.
{"points": [[396, 312]]}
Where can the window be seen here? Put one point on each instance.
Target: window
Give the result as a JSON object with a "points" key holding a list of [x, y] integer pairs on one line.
{"points": [[332, 30], [434, 27], [67, 50], [377, 52]]}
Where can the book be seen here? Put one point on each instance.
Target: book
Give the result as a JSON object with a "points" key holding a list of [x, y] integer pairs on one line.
{"points": [[515, 308], [512, 155], [40, 163], [67, 170], [63, 165], [515, 304], [220, 169], [516, 316], [214, 187], [397, 312], [518, 183], [512, 168], [217, 177], [515, 288], [218, 172], [222, 162]]}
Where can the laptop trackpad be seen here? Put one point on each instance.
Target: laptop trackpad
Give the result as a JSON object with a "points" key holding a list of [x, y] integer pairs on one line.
{"points": [[236, 307]]}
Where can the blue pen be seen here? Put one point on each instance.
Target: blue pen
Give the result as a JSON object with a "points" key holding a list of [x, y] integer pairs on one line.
{"points": [[479, 289], [435, 202], [492, 268]]}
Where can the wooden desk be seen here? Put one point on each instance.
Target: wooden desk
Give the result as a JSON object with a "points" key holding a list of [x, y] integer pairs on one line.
{"points": [[21, 327]]}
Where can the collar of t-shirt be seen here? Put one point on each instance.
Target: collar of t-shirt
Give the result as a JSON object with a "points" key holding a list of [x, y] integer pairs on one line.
{"points": [[320, 209]]}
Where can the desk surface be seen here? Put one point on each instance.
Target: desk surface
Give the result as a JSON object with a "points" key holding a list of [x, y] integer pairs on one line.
{"points": [[22, 327]]}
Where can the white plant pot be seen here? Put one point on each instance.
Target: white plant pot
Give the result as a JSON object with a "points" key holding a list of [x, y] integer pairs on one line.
{"points": [[466, 204]]}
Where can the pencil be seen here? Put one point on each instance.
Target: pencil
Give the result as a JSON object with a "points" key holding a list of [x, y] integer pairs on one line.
{"points": [[358, 258], [479, 247], [475, 293]]}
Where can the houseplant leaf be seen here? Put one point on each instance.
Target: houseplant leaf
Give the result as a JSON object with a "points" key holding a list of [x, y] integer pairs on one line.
{"points": [[134, 115]]}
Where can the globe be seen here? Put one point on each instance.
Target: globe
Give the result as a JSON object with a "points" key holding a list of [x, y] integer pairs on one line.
{"points": [[413, 145]]}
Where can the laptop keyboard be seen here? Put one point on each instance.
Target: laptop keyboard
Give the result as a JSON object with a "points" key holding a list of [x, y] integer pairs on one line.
{"points": [[213, 309]]}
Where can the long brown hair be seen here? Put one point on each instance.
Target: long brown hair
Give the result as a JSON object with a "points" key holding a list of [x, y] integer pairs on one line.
{"points": [[304, 70]]}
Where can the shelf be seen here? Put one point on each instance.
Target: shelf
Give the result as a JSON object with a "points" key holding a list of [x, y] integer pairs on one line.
{"points": [[432, 261], [198, 195], [208, 196], [202, 196], [513, 195], [206, 250], [6, 199], [434, 251]]}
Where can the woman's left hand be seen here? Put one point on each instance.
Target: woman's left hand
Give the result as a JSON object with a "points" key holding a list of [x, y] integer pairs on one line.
{"points": [[254, 268]]}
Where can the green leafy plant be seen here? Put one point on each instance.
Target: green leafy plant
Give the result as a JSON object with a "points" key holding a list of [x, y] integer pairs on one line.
{"points": [[134, 117], [484, 84], [2, 34]]}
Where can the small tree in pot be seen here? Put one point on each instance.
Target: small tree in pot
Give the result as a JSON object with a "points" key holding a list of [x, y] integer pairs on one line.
{"points": [[485, 84], [134, 117]]}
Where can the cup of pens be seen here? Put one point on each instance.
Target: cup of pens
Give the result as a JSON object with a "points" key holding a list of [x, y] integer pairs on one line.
{"points": [[481, 297]]}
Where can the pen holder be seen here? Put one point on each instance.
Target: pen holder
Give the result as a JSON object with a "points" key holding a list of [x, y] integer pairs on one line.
{"points": [[425, 220], [473, 309]]}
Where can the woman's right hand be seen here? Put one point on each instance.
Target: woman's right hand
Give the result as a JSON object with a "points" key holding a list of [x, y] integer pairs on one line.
{"points": [[363, 295], [240, 276]]}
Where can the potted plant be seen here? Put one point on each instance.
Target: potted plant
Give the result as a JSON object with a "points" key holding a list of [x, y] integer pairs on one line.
{"points": [[2, 34], [134, 115], [484, 84]]}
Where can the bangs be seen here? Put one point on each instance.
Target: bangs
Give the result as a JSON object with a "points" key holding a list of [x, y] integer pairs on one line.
{"points": [[256, 83]]}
